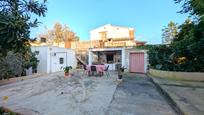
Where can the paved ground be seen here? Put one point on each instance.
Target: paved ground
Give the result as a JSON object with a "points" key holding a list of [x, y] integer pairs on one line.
{"points": [[189, 96], [43, 95], [138, 96], [54, 94]]}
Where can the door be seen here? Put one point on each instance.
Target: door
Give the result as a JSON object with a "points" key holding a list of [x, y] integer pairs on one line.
{"points": [[58, 60], [137, 62]]}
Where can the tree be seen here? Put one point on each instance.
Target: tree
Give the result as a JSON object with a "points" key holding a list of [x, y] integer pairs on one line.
{"points": [[169, 32], [60, 34], [185, 52], [190, 40], [194, 7], [15, 23], [189, 46]]}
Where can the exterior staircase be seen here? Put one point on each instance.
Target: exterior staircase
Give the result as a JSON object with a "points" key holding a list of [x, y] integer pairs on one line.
{"points": [[82, 59]]}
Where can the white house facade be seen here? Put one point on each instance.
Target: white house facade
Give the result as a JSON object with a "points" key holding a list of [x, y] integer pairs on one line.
{"points": [[109, 31], [53, 59]]}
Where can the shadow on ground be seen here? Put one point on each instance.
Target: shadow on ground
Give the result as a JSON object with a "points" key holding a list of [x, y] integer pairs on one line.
{"points": [[136, 95]]}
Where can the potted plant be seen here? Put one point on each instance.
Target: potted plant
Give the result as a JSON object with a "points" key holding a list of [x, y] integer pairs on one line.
{"points": [[28, 68], [30, 62], [66, 70], [120, 71]]}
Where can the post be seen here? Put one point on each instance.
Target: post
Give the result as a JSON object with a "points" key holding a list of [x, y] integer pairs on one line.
{"points": [[90, 57], [123, 56]]}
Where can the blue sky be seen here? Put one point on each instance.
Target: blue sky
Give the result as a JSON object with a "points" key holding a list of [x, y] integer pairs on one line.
{"points": [[148, 17]]}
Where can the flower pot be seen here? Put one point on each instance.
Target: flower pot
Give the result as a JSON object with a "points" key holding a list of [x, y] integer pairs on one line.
{"points": [[120, 76], [122, 70], [29, 71], [66, 73]]}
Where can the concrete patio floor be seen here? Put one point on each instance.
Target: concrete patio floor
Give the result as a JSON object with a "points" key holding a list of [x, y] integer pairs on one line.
{"points": [[53, 94], [138, 96], [189, 96]]}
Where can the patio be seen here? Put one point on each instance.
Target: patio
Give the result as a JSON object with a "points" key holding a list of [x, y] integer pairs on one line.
{"points": [[53, 94], [112, 57]]}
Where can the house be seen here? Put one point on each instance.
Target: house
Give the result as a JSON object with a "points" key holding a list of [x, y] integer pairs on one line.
{"points": [[117, 49], [114, 36], [102, 37], [53, 58], [108, 44], [132, 59], [43, 41]]}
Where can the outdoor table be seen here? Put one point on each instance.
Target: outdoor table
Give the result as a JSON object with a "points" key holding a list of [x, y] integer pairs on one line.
{"points": [[99, 68]]}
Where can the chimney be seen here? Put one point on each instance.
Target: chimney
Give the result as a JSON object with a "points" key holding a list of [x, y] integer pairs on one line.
{"points": [[43, 40], [68, 44]]}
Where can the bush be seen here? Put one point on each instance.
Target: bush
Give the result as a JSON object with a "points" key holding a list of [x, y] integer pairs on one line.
{"points": [[184, 53], [5, 72], [11, 65]]}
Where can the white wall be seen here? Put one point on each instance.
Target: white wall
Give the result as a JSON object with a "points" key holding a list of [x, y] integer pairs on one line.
{"points": [[70, 55], [112, 32], [42, 57], [46, 54]]}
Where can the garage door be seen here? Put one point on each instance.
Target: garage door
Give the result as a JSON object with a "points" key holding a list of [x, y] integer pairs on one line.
{"points": [[137, 62]]}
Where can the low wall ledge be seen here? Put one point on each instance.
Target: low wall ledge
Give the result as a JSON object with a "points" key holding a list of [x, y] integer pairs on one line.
{"points": [[186, 76]]}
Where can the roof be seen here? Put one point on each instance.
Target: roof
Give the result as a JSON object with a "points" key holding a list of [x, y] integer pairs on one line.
{"points": [[105, 49], [109, 25], [121, 27]]}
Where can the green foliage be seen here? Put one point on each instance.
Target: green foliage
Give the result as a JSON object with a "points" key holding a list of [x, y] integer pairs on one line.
{"points": [[5, 72], [11, 65], [15, 23], [169, 32], [30, 60], [160, 56], [194, 7], [67, 68], [185, 53]]}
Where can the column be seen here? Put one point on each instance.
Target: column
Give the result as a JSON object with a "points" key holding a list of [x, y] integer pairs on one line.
{"points": [[123, 56], [90, 57]]}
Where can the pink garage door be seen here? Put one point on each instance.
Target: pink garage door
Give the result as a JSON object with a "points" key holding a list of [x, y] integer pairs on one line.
{"points": [[137, 62]]}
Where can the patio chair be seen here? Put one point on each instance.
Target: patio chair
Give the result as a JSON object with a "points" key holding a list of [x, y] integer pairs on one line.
{"points": [[107, 72], [85, 70], [93, 70]]}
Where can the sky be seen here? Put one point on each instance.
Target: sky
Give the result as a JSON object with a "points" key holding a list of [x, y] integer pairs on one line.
{"points": [[147, 17]]}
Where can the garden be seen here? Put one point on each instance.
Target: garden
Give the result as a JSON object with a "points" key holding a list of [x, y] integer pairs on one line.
{"points": [[182, 48], [15, 23]]}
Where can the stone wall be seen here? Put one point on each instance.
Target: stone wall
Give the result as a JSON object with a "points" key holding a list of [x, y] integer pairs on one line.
{"points": [[186, 76]]}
